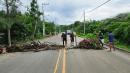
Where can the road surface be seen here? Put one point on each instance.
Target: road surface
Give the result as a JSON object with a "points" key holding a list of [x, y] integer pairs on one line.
{"points": [[65, 61]]}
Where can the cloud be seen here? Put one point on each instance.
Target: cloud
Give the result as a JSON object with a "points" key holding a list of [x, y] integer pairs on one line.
{"points": [[108, 11], [68, 11]]}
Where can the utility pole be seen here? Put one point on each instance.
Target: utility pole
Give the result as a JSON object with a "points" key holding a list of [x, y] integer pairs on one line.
{"points": [[55, 29], [43, 17], [55, 25], [84, 22], [59, 29]]}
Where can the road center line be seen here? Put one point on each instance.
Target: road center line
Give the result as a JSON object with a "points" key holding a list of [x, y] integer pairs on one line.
{"points": [[64, 62], [57, 62]]}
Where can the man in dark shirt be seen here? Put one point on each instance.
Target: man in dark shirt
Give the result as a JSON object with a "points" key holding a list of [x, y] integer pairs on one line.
{"points": [[111, 40], [72, 38], [64, 39]]}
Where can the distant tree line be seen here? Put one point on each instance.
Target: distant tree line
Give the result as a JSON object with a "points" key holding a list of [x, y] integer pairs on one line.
{"points": [[119, 25]]}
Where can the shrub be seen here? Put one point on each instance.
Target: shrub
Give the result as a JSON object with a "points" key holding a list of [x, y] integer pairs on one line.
{"points": [[89, 36]]}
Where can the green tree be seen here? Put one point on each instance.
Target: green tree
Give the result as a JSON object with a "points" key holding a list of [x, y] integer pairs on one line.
{"points": [[35, 15], [11, 9]]}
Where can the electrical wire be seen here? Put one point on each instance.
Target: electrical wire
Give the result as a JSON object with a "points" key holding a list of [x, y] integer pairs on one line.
{"points": [[99, 6]]}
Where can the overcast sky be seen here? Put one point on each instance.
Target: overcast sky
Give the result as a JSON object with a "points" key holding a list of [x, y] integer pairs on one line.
{"points": [[68, 11]]}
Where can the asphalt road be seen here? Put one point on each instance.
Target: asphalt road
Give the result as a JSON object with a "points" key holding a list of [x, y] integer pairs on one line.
{"points": [[65, 61], [97, 61]]}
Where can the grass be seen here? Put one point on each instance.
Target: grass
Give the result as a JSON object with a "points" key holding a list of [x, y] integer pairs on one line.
{"points": [[120, 45], [123, 46]]}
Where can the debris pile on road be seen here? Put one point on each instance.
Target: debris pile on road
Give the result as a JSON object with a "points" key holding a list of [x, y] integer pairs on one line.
{"points": [[34, 46], [2, 49], [89, 44]]}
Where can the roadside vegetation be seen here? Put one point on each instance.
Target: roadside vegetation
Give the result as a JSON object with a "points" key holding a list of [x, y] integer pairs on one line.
{"points": [[18, 26], [89, 36], [119, 25]]}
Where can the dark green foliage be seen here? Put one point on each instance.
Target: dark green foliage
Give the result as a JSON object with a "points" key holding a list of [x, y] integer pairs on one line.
{"points": [[22, 28], [50, 28], [35, 14], [22, 25], [3, 38], [119, 25], [88, 36], [19, 31]]}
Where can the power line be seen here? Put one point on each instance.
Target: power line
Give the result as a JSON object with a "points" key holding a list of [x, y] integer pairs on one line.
{"points": [[81, 16], [84, 22], [92, 11], [96, 8], [100, 6]]}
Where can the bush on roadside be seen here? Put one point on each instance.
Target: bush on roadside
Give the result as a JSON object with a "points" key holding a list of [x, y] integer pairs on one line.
{"points": [[88, 36]]}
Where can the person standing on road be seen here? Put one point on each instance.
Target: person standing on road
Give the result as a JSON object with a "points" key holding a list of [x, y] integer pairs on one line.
{"points": [[101, 38], [64, 39], [111, 41], [72, 38]]}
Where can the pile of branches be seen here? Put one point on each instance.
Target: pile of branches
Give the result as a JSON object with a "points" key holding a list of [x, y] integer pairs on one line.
{"points": [[89, 44], [2, 49], [34, 46]]}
